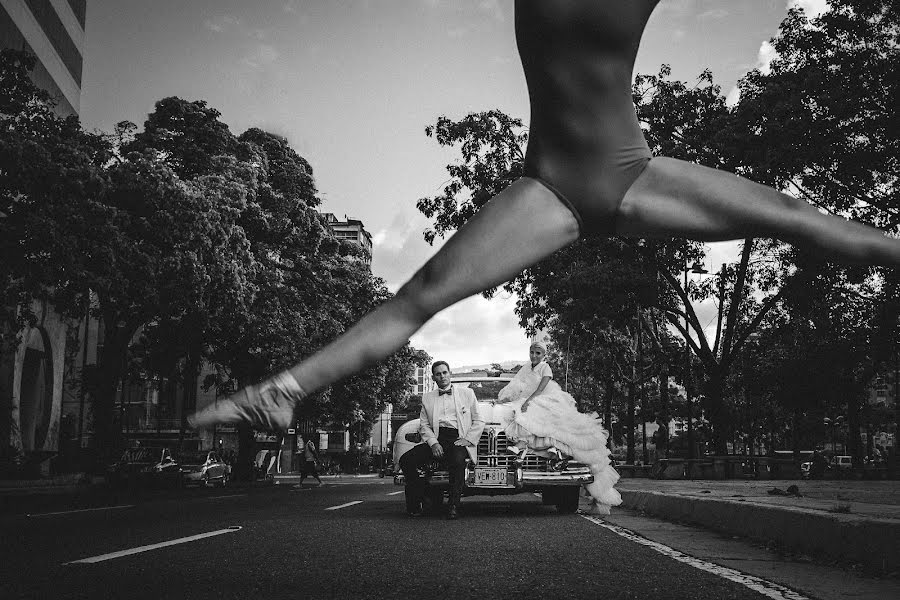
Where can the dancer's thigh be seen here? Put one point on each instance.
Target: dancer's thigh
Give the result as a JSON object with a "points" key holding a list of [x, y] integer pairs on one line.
{"points": [[515, 229], [677, 198]]}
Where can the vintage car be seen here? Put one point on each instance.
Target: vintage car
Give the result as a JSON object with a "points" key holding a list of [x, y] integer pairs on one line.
{"points": [[497, 472], [145, 466], [203, 468]]}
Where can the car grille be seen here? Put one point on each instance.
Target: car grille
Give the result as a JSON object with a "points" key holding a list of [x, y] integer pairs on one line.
{"points": [[492, 452]]}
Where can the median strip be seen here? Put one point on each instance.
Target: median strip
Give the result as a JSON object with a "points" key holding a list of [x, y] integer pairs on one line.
{"points": [[139, 549], [344, 505]]}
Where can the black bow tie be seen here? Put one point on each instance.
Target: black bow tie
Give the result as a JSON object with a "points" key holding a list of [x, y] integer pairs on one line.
{"points": [[449, 390]]}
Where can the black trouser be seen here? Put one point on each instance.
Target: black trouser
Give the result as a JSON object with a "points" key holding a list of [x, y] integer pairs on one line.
{"points": [[309, 468], [421, 455]]}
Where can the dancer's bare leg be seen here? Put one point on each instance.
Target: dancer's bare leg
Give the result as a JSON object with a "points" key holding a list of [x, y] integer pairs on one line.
{"points": [[681, 199], [514, 230]]}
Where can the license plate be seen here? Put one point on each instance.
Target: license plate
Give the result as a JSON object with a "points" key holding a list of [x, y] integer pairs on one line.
{"points": [[490, 476]]}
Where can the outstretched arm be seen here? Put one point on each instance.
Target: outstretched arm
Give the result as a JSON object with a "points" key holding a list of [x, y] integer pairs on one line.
{"points": [[540, 388]]}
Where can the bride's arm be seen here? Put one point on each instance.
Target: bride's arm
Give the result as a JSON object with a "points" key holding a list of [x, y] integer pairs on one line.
{"points": [[540, 388]]}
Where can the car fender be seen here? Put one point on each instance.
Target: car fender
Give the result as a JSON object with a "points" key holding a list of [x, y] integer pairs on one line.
{"points": [[401, 444]]}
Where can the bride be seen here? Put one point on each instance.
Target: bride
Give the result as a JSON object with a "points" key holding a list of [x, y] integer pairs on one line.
{"points": [[544, 418]]}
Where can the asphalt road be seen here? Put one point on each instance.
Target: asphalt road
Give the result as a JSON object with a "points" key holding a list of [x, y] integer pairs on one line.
{"points": [[346, 539]]}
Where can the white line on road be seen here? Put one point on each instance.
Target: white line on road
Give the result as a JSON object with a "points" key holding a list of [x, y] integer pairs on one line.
{"points": [[766, 588], [395, 493], [81, 510], [120, 553], [344, 505], [228, 496]]}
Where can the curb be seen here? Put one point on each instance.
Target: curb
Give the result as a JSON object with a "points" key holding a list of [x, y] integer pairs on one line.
{"points": [[873, 543]]}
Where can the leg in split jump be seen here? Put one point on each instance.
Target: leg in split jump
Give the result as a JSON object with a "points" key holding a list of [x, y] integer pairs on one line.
{"points": [[587, 169]]}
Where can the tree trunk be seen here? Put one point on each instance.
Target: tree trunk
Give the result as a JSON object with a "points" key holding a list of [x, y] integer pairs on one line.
{"points": [[629, 458], [607, 405], [110, 371], [716, 412], [663, 418], [853, 447]]}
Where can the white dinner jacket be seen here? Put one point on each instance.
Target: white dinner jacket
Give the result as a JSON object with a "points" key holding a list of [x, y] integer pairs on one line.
{"points": [[470, 421]]}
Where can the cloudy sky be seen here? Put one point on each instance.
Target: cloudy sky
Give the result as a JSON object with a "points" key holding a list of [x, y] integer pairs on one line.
{"points": [[352, 84]]}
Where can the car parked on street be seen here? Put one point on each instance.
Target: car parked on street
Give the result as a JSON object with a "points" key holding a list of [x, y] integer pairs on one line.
{"points": [[203, 468], [841, 461], [497, 472], [145, 466]]}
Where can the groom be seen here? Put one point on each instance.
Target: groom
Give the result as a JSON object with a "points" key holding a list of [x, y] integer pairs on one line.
{"points": [[452, 412]]}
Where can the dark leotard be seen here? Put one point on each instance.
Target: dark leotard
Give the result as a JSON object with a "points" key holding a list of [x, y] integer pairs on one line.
{"points": [[585, 143]]}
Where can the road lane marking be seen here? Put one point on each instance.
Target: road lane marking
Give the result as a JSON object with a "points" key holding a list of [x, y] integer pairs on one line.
{"points": [[761, 586], [395, 493], [80, 510], [228, 496], [139, 549], [344, 505]]}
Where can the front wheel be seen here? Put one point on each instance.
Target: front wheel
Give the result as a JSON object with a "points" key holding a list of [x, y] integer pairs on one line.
{"points": [[567, 502]]}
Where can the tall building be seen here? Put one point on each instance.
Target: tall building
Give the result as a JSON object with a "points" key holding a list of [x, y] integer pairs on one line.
{"points": [[52, 30], [352, 230], [424, 383], [32, 378]]}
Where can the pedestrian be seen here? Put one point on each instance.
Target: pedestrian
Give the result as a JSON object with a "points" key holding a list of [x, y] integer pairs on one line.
{"points": [[450, 426], [588, 169], [539, 415], [310, 462]]}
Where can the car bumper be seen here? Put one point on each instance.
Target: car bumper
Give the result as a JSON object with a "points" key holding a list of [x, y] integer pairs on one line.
{"points": [[516, 480]]}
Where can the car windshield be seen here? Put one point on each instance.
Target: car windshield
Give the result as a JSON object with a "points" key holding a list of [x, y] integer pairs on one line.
{"points": [[193, 458], [486, 390], [142, 455]]}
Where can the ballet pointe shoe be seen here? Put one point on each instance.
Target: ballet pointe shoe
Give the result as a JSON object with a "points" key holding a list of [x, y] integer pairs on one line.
{"points": [[268, 405]]}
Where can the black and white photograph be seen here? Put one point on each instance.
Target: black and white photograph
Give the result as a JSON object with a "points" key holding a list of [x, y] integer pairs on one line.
{"points": [[375, 299]]}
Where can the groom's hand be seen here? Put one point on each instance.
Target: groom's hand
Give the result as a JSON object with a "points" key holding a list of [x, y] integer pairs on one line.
{"points": [[437, 451]]}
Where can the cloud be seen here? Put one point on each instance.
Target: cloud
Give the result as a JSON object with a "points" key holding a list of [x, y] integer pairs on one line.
{"points": [[222, 24], [713, 14], [765, 56], [475, 331], [733, 97], [262, 55], [812, 8], [491, 8]]}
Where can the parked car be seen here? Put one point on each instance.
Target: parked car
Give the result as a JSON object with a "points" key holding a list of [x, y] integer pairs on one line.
{"points": [[840, 461], [145, 466], [203, 468], [497, 472]]}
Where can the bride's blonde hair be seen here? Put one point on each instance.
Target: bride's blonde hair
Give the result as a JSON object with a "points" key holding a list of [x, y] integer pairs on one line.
{"points": [[538, 345]]}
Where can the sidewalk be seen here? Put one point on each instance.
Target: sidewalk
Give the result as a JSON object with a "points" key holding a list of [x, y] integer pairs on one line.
{"points": [[849, 521]]}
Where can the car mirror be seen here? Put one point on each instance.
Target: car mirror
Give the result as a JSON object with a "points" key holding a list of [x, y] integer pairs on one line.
{"points": [[414, 437]]}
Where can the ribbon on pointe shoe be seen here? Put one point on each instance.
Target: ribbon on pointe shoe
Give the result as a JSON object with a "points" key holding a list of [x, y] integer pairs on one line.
{"points": [[267, 405]]}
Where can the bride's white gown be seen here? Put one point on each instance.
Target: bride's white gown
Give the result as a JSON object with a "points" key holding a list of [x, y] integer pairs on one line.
{"points": [[553, 414]]}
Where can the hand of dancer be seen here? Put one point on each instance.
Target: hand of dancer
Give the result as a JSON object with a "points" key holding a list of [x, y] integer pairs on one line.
{"points": [[525, 405], [437, 451], [462, 442]]}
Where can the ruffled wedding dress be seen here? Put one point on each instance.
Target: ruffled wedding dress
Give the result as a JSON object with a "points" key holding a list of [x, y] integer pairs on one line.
{"points": [[553, 414]]}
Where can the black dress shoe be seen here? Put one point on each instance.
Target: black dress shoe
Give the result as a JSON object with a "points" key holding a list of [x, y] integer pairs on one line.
{"points": [[452, 514], [415, 513]]}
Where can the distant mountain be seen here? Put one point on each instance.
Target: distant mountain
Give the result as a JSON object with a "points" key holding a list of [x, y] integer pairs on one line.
{"points": [[506, 364]]}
